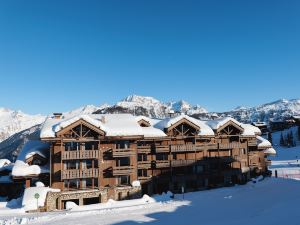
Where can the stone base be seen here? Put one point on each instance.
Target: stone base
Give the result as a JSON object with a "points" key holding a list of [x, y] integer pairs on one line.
{"points": [[57, 200]]}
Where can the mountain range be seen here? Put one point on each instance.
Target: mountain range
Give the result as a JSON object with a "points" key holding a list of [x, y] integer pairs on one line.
{"points": [[17, 127]]}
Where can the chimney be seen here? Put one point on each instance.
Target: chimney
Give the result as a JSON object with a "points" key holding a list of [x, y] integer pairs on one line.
{"points": [[103, 119], [57, 115]]}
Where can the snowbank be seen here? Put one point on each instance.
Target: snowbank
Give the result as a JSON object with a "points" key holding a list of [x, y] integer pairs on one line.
{"points": [[29, 202], [23, 169], [4, 162], [136, 183], [270, 151]]}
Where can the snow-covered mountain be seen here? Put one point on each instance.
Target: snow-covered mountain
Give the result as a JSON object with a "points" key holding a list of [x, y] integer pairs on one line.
{"points": [[12, 122], [277, 110], [16, 127], [149, 106]]}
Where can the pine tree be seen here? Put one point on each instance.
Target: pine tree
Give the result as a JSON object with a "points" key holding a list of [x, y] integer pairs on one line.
{"points": [[270, 137], [281, 140], [291, 144]]}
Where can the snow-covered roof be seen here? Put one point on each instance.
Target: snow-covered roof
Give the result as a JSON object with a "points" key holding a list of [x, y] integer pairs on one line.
{"points": [[33, 147], [216, 124], [270, 151], [263, 143], [4, 162], [22, 169], [151, 132], [205, 130], [111, 124], [29, 202], [258, 124], [250, 130]]}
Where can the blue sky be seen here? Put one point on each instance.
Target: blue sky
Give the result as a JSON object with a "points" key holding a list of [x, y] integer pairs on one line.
{"points": [[59, 55]]}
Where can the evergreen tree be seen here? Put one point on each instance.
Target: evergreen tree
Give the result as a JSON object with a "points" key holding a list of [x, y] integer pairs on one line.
{"points": [[270, 138], [291, 144], [281, 140]]}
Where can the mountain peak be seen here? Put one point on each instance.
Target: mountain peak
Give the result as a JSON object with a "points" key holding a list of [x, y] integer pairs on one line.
{"points": [[140, 99]]}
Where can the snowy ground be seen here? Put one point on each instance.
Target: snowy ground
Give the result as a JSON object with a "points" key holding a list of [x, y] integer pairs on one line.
{"points": [[272, 201], [269, 202], [287, 160]]}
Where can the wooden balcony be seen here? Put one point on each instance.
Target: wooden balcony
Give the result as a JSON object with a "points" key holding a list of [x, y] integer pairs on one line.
{"points": [[230, 145], [83, 154], [144, 164], [122, 170], [268, 162], [201, 147], [144, 178], [123, 152], [252, 143], [162, 163], [183, 148], [183, 162], [162, 148], [74, 174], [144, 149]]}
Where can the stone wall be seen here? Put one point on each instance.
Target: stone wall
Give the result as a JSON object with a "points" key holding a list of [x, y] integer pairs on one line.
{"points": [[55, 200]]}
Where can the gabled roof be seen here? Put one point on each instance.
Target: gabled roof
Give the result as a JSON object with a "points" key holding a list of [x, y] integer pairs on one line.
{"points": [[111, 124], [204, 130], [219, 123]]}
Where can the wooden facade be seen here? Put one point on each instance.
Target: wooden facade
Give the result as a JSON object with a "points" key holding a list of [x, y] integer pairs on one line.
{"points": [[83, 157]]}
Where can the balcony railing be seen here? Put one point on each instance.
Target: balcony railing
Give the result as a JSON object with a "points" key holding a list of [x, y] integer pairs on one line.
{"points": [[183, 162], [123, 152], [230, 145], [86, 154], [252, 143], [74, 174], [162, 148], [144, 164], [183, 148], [144, 178], [162, 163], [122, 170], [144, 149]]}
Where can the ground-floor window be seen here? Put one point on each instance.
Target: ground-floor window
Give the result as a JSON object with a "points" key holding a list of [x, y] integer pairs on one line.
{"points": [[124, 180]]}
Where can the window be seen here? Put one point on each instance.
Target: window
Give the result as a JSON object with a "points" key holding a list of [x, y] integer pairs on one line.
{"points": [[142, 173], [74, 183], [161, 156], [72, 146], [72, 164], [124, 180], [92, 145], [122, 144], [123, 161], [142, 157]]}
